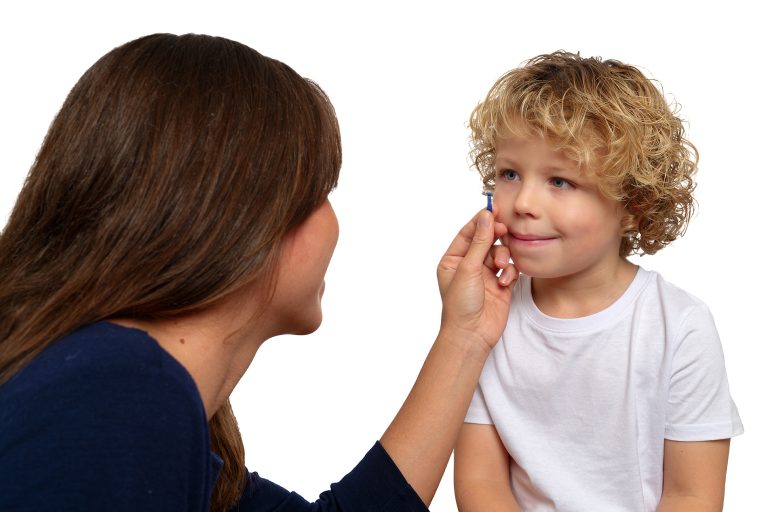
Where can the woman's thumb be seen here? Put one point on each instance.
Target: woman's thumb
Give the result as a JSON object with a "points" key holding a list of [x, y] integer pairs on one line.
{"points": [[482, 239]]}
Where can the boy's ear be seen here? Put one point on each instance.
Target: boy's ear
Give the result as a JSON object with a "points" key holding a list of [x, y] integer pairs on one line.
{"points": [[629, 224]]}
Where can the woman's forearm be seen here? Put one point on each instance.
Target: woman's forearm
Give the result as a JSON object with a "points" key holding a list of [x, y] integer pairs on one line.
{"points": [[422, 435], [475, 307]]}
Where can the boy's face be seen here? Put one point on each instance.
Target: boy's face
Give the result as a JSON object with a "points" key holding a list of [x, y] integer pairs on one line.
{"points": [[559, 224]]}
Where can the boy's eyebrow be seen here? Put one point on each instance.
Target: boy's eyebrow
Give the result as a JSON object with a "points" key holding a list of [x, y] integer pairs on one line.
{"points": [[563, 170], [506, 161]]}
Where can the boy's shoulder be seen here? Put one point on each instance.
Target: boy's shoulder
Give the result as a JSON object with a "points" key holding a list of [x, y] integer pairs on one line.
{"points": [[685, 315], [670, 293]]}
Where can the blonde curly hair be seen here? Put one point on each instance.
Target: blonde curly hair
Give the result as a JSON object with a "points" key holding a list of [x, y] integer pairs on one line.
{"points": [[610, 119]]}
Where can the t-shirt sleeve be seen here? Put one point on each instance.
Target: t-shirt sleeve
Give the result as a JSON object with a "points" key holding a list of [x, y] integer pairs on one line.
{"points": [[699, 405], [478, 410], [117, 437], [374, 485]]}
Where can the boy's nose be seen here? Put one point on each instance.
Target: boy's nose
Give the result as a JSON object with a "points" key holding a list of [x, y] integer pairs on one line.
{"points": [[525, 203]]}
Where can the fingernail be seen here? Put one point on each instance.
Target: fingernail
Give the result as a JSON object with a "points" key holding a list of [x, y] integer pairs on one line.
{"points": [[485, 220]]}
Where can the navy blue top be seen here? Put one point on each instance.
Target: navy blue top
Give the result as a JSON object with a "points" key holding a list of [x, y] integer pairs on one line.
{"points": [[105, 419]]}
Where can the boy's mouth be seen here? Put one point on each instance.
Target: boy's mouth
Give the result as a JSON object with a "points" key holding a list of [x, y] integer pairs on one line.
{"points": [[527, 237]]}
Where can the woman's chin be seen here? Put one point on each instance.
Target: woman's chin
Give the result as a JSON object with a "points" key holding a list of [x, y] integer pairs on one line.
{"points": [[307, 324]]}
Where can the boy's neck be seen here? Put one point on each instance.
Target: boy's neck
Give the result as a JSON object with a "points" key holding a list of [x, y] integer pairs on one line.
{"points": [[582, 294]]}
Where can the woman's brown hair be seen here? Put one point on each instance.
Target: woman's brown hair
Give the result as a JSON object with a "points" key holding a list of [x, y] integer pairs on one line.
{"points": [[168, 179]]}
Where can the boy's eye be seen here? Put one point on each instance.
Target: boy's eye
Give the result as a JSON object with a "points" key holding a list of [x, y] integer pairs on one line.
{"points": [[560, 183], [509, 175]]}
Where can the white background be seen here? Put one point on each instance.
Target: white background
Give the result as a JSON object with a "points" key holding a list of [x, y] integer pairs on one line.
{"points": [[404, 77]]}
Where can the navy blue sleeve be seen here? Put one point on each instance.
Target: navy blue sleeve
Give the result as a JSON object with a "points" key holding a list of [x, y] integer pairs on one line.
{"points": [[374, 485], [106, 420], [84, 431]]}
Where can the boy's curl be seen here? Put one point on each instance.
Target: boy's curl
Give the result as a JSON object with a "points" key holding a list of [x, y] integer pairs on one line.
{"points": [[614, 122]]}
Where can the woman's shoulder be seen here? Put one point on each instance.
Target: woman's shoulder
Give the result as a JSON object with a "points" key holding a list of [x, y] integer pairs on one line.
{"points": [[106, 414], [102, 351], [100, 371]]}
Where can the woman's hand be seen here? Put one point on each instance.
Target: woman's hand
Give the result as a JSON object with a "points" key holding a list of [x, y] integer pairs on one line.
{"points": [[475, 300], [475, 307]]}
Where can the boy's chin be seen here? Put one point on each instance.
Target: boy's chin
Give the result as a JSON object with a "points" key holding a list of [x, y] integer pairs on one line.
{"points": [[525, 267], [537, 272]]}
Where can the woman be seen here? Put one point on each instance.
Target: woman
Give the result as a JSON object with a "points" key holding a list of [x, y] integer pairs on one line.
{"points": [[177, 217]]}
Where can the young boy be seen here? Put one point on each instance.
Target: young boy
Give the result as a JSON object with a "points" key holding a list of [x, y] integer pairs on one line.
{"points": [[607, 390]]}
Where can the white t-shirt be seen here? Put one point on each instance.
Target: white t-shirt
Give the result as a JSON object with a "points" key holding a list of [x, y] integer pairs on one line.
{"points": [[583, 405]]}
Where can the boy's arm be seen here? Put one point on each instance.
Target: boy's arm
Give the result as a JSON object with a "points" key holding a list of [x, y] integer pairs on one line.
{"points": [[481, 471], [694, 476]]}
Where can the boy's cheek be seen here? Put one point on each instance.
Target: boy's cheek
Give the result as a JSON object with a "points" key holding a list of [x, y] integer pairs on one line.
{"points": [[500, 202], [503, 214]]}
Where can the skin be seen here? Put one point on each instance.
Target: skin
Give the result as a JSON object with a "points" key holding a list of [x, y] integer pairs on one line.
{"points": [[566, 235], [694, 475], [216, 345], [562, 231]]}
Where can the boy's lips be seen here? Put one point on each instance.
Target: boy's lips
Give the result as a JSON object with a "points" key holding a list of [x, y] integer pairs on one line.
{"points": [[528, 241], [526, 237]]}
